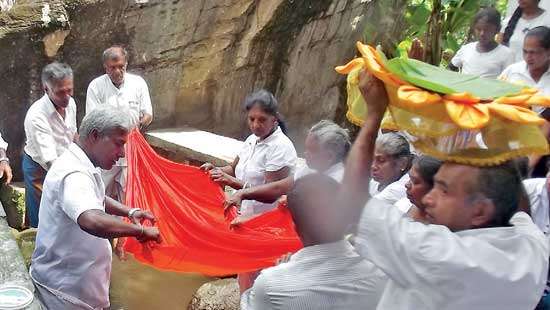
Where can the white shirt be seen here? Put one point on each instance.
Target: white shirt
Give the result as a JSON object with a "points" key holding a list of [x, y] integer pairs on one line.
{"points": [[538, 197], [513, 5], [326, 276], [258, 157], [522, 27], [133, 95], [391, 193], [68, 261], [336, 172], [3, 143], [519, 74], [48, 135], [431, 268], [486, 65], [404, 205]]}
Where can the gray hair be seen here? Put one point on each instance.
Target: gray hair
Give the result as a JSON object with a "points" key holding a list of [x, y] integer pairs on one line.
{"points": [[332, 137], [104, 120], [393, 144], [115, 52], [56, 72]]}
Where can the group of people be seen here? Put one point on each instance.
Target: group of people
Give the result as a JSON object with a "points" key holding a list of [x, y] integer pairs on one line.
{"points": [[382, 227]]}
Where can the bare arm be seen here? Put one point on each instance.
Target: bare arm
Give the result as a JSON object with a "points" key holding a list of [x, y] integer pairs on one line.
{"points": [[354, 190], [278, 184], [145, 120], [103, 225], [115, 208]]}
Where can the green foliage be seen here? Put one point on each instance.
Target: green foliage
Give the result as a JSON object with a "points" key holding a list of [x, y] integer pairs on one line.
{"points": [[443, 25]]}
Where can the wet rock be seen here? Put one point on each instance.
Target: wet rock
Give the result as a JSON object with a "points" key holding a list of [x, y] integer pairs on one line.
{"points": [[199, 57], [217, 295], [12, 198]]}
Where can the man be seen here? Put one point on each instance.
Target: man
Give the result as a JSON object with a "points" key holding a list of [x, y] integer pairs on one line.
{"points": [[120, 89], [327, 273], [50, 127], [5, 169], [478, 252], [71, 263]]}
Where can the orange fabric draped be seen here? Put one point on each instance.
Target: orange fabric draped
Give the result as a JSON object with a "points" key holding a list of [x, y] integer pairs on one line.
{"points": [[189, 210]]}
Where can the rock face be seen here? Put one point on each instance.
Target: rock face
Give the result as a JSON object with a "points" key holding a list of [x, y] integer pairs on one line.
{"points": [[199, 57], [217, 295]]}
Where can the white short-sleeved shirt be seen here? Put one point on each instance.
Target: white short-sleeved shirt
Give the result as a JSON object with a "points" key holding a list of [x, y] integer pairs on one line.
{"points": [[133, 95], [430, 267], [522, 27], [3, 143], [391, 193], [258, 157], [519, 73], [68, 261], [513, 5], [336, 172], [537, 192], [48, 135], [486, 65], [324, 276]]}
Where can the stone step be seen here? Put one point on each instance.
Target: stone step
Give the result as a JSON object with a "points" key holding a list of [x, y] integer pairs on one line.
{"points": [[12, 198]]}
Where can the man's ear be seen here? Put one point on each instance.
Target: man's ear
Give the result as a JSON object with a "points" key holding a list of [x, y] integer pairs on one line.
{"points": [[483, 212], [94, 135]]}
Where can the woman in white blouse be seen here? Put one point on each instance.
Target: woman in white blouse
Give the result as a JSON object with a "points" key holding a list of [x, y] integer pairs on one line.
{"points": [[268, 155], [527, 16], [392, 161]]}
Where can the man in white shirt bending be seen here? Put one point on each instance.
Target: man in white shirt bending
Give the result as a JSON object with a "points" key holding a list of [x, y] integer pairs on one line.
{"points": [[120, 89], [5, 169], [478, 250], [50, 127], [327, 273], [71, 263]]}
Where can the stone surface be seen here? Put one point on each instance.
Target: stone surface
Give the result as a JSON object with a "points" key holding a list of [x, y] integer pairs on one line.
{"points": [[12, 266], [194, 146], [199, 57], [12, 198], [217, 295]]}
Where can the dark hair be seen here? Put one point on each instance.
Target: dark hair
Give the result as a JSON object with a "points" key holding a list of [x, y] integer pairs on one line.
{"points": [[267, 102], [491, 14], [522, 166], [542, 33], [502, 185], [427, 167], [512, 23]]}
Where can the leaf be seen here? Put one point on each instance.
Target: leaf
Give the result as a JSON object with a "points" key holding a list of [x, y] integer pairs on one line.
{"points": [[420, 15], [448, 82]]}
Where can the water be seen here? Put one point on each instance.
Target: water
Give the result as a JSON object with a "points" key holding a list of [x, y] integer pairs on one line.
{"points": [[135, 286]]}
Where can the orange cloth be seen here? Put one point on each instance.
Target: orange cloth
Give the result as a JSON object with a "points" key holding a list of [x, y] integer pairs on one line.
{"points": [[189, 210]]}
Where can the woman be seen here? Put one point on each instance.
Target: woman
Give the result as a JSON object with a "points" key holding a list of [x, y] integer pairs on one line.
{"points": [[534, 71], [485, 57], [421, 181], [392, 161], [267, 156], [527, 16]]}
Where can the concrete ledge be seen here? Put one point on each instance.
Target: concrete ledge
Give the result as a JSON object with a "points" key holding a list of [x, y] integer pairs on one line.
{"points": [[12, 266], [193, 146]]}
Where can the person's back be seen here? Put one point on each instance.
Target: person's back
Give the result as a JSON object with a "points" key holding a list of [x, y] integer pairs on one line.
{"points": [[327, 273]]}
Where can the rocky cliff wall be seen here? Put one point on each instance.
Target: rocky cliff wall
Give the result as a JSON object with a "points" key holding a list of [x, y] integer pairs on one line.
{"points": [[199, 57]]}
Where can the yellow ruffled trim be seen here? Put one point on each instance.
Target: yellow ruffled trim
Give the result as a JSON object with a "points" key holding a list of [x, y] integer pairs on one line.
{"points": [[496, 159]]}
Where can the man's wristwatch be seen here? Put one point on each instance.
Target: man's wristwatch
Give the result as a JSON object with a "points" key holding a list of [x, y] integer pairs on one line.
{"points": [[4, 159], [133, 211]]}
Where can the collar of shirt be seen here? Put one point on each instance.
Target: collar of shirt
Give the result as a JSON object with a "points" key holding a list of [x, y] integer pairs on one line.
{"points": [[79, 153], [272, 137], [326, 250]]}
